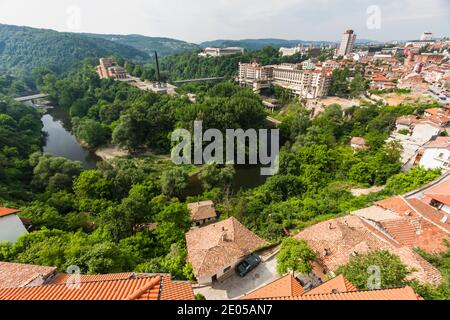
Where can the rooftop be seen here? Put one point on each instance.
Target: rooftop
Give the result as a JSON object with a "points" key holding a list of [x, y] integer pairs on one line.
{"points": [[338, 288], [219, 245], [286, 286], [106, 287], [13, 275], [7, 212], [202, 210], [441, 192]]}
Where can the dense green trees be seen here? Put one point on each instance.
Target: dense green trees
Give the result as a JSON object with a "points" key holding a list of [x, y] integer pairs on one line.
{"points": [[174, 181], [295, 255], [375, 270], [212, 176]]}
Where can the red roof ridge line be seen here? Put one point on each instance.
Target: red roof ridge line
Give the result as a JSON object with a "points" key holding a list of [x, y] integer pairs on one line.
{"points": [[342, 292], [140, 291]]}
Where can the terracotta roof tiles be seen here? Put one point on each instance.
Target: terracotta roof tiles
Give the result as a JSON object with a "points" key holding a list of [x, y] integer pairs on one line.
{"points": [[6, 212], [20, 275], [285, 286], [138, 287], [219, 245]]}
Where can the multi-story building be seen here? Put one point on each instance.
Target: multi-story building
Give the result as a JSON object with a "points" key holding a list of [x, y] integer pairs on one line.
{"points": [[220, 52], [108, 69], [347, 43], [309, 84]]}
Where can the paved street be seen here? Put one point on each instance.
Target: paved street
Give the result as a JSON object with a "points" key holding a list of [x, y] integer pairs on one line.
{"points": [[235, 286]]}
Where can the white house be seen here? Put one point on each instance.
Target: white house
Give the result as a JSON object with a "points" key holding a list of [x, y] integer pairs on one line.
{"points": [[436, 154], [11, 227]]}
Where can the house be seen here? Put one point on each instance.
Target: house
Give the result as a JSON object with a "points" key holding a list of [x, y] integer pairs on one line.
{"points": [[358, 143], [435, 154], [440, 198], [11, 227], [202, 212], [27, 282], [17, 275], [406, 122], [337, 240], [404, 224], [215, 250], [338, 288]]}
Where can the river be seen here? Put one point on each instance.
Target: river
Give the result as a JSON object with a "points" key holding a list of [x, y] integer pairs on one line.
{"points": [[61, 142]]}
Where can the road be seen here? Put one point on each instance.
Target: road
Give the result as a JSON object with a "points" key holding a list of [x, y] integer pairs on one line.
{"points": [[235, 286]]}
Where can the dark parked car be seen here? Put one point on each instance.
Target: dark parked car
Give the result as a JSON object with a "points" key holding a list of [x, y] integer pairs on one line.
{"points": [[248, 264]]}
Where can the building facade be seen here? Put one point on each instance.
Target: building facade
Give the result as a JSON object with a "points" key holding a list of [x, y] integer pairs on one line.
{"points": [[11, 227], [347, 43], [220, 52], [309, 84]]}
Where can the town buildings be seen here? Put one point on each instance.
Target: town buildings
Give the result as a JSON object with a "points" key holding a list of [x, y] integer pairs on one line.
{"points": [[308, 84], [11, 226], [220, 52], [216, 249], [202, 212], [347, 43]]}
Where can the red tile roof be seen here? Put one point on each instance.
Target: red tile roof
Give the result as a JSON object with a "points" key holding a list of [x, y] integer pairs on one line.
{"points": [[431, 214], [6, 212], [441, 192], [219, 245], [395, 204], [338, 288], [63, 278], [202, 210], [285, 286], [406, 293], [13, 275], [139, 287], [335, 285], [336, 240]]}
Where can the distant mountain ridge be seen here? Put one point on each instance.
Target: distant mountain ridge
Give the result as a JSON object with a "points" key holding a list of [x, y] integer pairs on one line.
{"points": [[164, 46], [23, 49], [257, 44]]}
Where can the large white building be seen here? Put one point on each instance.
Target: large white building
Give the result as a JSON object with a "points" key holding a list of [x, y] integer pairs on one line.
{"points": [[11, 227], [347, 43], [309, 84], [220, 52], [435, 154]]}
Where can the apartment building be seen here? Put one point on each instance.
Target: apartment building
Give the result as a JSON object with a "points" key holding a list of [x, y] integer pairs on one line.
{"points": [[309, 84], [347, 42]]}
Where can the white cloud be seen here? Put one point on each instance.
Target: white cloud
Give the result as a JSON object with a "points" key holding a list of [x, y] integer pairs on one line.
{"points": [[199, 20]]}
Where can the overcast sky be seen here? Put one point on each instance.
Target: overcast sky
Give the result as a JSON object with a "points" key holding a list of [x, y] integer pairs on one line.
{"points": [[201, 20]]}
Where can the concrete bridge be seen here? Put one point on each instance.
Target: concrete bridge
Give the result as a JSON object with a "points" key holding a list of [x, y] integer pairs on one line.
{"points": [[32, 97]]}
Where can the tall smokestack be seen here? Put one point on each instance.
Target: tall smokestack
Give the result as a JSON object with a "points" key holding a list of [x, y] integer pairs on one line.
{"points": [[158, 74]]}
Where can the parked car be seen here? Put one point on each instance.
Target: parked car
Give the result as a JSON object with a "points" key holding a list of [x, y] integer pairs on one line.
{"points": [[248, 264]]}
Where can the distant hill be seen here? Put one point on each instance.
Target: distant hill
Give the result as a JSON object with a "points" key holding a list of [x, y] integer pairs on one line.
{"points": [[257, 44], [24, 48], [164, 46]]}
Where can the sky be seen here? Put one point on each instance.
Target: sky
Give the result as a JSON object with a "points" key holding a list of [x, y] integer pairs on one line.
{"points": [[201, 20]]}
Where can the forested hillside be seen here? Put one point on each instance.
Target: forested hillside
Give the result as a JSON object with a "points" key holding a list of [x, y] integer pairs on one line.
{"points": [[23, 49], [164, 46]]}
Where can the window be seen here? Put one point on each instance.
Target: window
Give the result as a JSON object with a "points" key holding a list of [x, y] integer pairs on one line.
{"points": [[226, 269]]}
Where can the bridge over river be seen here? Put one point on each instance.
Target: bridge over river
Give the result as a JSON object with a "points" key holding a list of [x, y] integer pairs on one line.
{"points": [[32, 97]]}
